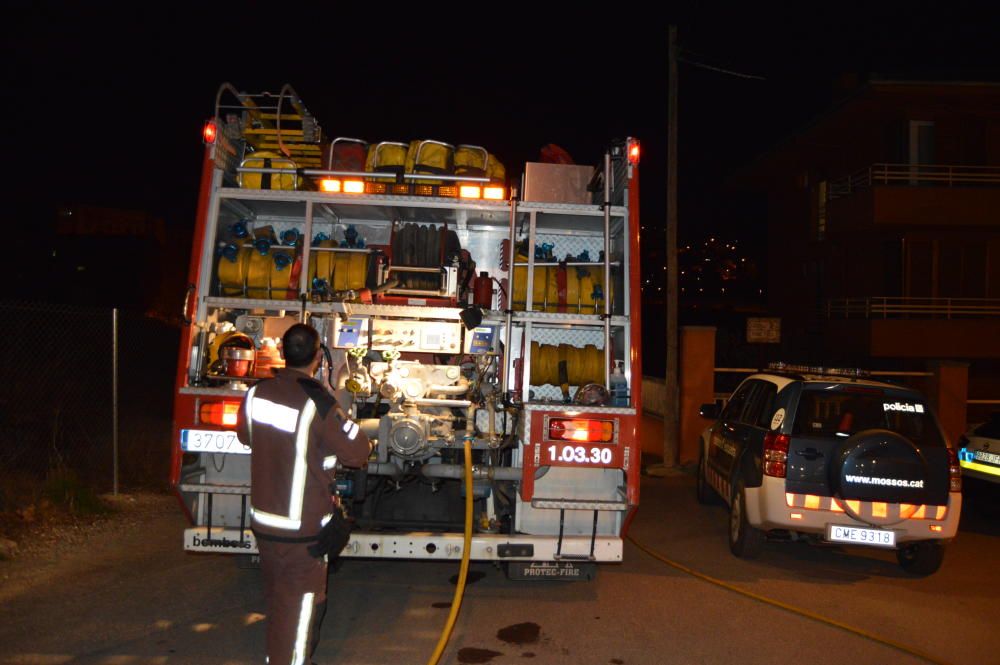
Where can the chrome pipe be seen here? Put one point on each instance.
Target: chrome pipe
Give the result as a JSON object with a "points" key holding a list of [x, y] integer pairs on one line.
{"points": [[508, 356], [478, 472], [607, 271]]}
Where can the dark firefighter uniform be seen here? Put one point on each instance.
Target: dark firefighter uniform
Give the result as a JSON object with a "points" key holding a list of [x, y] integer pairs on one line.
{"points": [[298, 434]]}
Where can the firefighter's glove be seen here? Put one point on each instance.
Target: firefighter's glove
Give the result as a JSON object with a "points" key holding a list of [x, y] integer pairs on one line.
{"points": [[333, 537]]}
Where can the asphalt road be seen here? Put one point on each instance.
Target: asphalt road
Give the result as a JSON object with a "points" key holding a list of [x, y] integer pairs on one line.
{"points": [[131, 596]]}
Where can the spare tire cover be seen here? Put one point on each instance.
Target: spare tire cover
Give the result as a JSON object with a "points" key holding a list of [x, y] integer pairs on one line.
{"points": [[879, 465]]}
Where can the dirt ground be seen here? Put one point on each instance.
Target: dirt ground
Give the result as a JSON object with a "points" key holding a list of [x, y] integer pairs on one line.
{"points": [[51, 541]]}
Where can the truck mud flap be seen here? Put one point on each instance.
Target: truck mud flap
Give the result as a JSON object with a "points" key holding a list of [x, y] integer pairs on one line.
{"points": [[551, 570]]}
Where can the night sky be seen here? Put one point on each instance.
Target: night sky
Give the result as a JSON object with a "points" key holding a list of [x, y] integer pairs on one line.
{"points": [[105, 106]]}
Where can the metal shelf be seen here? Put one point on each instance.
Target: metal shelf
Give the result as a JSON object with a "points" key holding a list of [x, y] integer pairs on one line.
{"points": [[404, 311], [555, 318], [214, 392], [260, 303], [288, 205]]}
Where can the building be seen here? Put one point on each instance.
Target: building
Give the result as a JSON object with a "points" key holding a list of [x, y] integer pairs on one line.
{"points": [[884, 228]]}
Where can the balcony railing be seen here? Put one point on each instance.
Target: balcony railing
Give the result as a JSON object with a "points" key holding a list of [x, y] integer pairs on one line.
{"points": [[881, 307], [914, 175]]}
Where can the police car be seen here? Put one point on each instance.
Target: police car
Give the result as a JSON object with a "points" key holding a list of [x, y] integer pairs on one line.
{"points": [[830, 456], [979, 451]]}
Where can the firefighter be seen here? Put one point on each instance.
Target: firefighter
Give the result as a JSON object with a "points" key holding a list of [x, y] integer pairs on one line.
{"points": [[297, 434]]}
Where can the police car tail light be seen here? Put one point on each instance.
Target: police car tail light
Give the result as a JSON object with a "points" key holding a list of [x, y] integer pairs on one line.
{"points": [[776, 454], [222, 414], [578, 429], [954, 472]]}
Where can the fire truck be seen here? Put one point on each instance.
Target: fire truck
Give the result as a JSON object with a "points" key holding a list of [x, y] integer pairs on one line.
{"points": [[454, 309]]}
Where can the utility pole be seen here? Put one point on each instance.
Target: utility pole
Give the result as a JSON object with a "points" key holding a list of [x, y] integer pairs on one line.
{"points": [[671, 418]]}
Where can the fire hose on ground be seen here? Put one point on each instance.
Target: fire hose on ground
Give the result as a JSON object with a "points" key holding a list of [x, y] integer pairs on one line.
{"points": [[788, 607], [463, 571]]}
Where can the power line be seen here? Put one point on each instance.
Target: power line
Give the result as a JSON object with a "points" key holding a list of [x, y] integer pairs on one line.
{"points": [[695, 63]]}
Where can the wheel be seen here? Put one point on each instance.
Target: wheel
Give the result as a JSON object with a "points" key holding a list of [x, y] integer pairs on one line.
{"points": [[745, 540], [706, 495], [921, 558]]}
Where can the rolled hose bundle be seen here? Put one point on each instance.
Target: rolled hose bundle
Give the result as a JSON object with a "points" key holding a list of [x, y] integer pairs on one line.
{"points": [[574, 289], [583, 365]]}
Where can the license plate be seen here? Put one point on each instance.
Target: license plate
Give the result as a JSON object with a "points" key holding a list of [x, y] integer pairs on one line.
{"points": [[208, 441], [988, 458], [861, 536]]}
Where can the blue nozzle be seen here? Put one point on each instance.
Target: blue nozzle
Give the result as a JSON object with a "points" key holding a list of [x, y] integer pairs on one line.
{"points": [[290, 237], [231, 252], [320, 237], [351, 235], [282, 260], [239, 229], [262, 245]]}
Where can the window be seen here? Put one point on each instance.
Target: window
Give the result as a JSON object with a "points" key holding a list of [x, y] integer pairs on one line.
{"points": [[841, 413], [734, 408], [819, 228], [764, 406], [921, 148], [921, 142]]}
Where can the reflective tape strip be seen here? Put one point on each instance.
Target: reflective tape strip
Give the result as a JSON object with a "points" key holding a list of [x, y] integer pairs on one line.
{"points": [[326, 519], [276, 415], [879, 509], [297, 497], [721, 485], [248, 400], [329, 462], [302, 632], [351, 429], [292, 521], [276, 521]]}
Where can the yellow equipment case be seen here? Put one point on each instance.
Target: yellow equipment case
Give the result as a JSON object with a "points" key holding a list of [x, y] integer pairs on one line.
{"points": [[265, 159]]}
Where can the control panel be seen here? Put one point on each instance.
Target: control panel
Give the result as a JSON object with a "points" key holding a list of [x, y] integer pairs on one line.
{"points": [[480, 340], [399, 334]]}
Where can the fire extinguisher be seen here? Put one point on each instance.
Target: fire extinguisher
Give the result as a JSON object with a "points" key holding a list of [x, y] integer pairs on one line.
{"points": [[482, 288]]}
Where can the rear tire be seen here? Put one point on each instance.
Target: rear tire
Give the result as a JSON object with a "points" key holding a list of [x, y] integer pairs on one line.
{"points": [[704, 492], [923, 558], [745, 540]]}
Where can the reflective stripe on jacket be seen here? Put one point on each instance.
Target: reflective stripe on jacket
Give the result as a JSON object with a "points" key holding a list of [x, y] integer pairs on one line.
{"points": [[297, 434]]}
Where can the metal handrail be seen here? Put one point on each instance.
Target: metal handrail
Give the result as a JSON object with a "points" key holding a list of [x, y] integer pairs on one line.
{"points": [[886, 307], [914, 175]]}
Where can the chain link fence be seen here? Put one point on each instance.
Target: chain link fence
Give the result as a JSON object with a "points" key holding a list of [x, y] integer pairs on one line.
{"points": [[59, 396]]}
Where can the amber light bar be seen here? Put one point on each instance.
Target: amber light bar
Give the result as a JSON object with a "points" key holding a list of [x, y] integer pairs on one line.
{"points": [[466, 191]]}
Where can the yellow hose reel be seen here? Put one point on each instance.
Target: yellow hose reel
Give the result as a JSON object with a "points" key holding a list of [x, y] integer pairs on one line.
{"points": [[583, 364], [341, 270], [557, 289]]}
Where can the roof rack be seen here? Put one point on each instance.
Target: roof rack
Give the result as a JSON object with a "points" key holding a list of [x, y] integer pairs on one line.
{"points": [[848, 372]]}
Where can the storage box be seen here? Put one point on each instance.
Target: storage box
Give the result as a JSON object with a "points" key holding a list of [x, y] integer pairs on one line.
{"points": [[557, 183]]}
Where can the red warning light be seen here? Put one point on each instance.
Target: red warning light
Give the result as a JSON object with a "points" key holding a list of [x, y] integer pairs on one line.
{"points": [[210, 132], [633, 152]]}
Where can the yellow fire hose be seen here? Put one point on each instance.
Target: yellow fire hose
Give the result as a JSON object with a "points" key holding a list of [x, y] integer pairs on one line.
{"points": [[790, 608], [456, 601]]}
